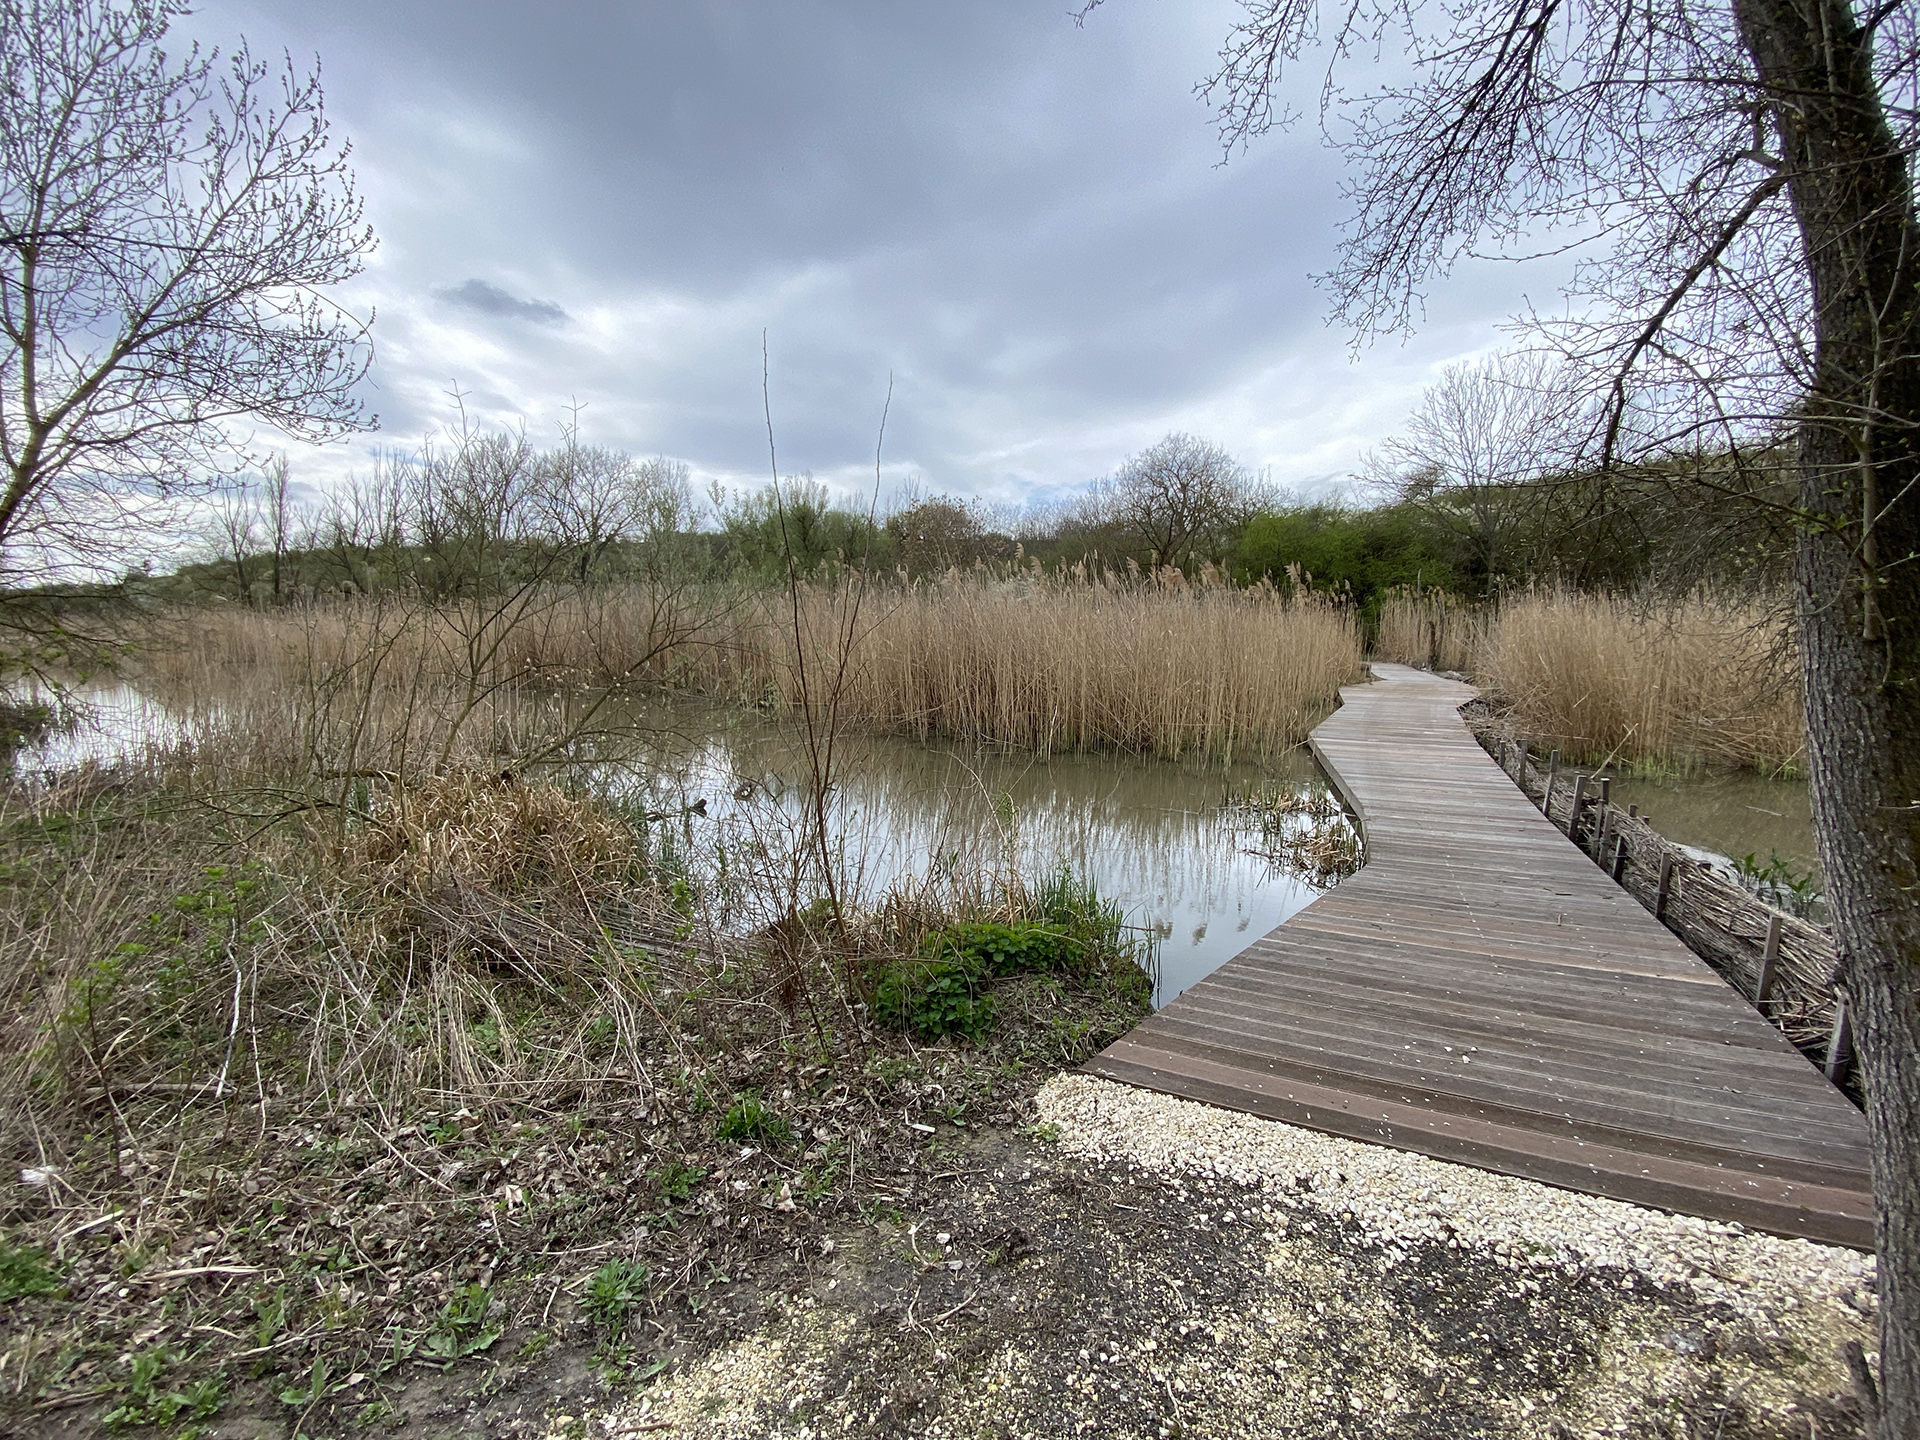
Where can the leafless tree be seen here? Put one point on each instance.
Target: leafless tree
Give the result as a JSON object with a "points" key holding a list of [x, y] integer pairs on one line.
{"points": [[1740, 175], [1180, 499], [591, 498], [277, 516], [470, 503], [1479, 452], [169, 228], [236, 530], [253, 518]]}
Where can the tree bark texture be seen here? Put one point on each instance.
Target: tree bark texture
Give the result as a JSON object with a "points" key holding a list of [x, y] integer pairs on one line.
{"points": [[1858, 593]]}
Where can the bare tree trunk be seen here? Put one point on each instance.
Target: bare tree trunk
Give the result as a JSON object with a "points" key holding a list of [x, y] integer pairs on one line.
{"points": [[1859, 594]]}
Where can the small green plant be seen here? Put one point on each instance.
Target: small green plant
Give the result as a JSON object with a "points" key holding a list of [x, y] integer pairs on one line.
{"points": [[487, 1039], [615, 1289], [270, 1315], [1776, 882], [936, 998], [996, 949], [25, 1272], [314, 1386], [750, 1118], [816, 1181], [536, 1344], [468, 1323], [600, 1034], [150, 1400], [677, 1181], [612, 1357]]}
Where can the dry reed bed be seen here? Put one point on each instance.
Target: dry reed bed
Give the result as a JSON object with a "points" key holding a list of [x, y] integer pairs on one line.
{"points": [[1165, 669], [1700, 681], [1156, 667], [1431, 630]]}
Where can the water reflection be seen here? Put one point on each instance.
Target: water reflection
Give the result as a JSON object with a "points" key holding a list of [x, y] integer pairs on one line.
{"points": [[102, 724], [1154, 836]]}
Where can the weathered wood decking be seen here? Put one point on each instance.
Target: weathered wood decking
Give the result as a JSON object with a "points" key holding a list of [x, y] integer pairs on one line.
{"points": [[1481, 992]]}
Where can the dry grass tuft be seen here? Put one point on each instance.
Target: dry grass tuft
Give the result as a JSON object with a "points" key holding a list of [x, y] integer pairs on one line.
{"points": [[1431, 630], [1162, 667], [486, 830]]}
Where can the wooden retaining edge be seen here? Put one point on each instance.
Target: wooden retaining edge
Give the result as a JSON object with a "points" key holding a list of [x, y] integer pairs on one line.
{"points": [[1784, 965]]}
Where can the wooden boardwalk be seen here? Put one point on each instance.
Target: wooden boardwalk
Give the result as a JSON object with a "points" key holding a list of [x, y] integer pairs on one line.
{"points": [[1481, 992]]}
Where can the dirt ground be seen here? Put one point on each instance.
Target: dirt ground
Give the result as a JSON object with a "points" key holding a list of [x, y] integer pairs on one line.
{"points": [[1032, 1294]]}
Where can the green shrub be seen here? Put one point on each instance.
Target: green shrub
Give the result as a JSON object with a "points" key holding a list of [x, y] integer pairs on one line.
{"points": [[1024, 949]]}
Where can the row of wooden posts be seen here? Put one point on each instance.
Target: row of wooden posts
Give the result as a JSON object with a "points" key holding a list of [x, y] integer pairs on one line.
{"points": [[1784, 964]]}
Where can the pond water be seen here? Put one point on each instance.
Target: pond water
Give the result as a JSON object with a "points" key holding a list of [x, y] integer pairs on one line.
{"points": [[1731, 815], [1163, 840]]}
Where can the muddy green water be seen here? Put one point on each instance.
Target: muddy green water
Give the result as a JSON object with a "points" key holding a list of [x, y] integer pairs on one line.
{"points": [[1155, 837], [1732, 815]]}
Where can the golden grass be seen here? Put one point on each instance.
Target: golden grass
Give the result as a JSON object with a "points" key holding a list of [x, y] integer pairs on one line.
{"points": [[1161, 666], [1701, 681], [1432, 630]]}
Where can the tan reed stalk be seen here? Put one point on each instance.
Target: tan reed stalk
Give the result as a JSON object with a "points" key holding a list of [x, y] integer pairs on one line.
{"points": [[1159, 666], [1700, 681]]}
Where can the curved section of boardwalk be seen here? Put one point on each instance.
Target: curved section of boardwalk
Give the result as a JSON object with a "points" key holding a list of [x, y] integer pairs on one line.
{"points": [[1483, 993]]}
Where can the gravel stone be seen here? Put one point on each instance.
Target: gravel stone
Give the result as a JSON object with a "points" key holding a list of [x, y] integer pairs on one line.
{"points": [[1396, 1196]]}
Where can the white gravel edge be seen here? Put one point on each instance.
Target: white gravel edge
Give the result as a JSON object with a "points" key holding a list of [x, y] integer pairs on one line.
{"points": [[1396, 1197]]}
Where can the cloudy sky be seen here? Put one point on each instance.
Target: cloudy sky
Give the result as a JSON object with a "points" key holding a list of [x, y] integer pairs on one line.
{"points": [[1022, 221]]}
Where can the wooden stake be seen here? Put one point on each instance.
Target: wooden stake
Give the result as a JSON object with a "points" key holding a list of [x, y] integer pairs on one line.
{"points": [[1665, 889], [1579, 799], [1619, 857], [1840, 1042], [1769, 959], [1546, 799]]}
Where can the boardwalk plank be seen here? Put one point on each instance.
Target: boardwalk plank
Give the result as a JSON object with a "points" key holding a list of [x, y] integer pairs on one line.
{"points": [[1609, 1058]]}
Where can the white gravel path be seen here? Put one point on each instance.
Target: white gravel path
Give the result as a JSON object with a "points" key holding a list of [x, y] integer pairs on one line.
{"points": [[1396, 1196]]}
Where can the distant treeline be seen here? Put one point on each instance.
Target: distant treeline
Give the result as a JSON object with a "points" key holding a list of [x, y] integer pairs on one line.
{"points": [[492, 512]]}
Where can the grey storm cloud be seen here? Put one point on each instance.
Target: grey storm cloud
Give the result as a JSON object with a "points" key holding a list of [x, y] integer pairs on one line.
{"points": [[485, 299], [1019, 223]]}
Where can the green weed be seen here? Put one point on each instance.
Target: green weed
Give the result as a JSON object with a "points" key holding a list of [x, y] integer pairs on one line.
{"points": [[150, 1400], [676, 1181], [615, 1289], [1776, 882], [936, 998], [470, 1322], [24, 1272], [750, 1118]]}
